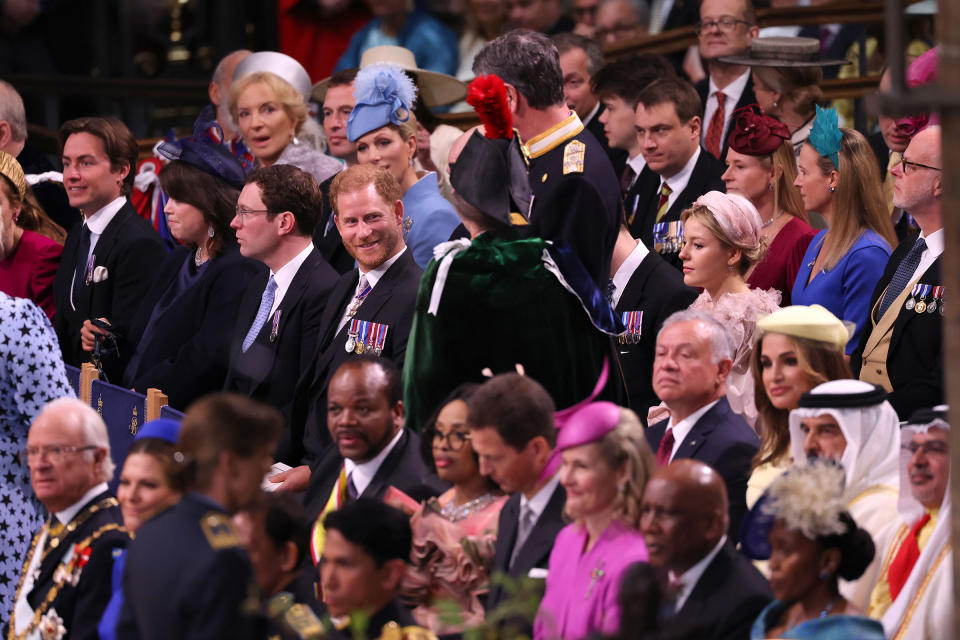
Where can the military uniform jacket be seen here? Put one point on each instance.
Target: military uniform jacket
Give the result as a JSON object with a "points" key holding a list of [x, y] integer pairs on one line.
{"points": [[392, 622], [188, 577], [705, 177], [72, 584], [269, 369], [129, 250], [389, 303], [576, 195], [915, 353]]}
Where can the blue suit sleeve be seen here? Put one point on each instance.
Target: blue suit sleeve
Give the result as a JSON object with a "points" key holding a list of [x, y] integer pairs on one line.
{"points": [[861, 272]]}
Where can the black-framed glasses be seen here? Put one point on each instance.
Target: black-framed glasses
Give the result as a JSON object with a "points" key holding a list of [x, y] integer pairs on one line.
{"points": [[723, 23], [904, 163], [454, 439], [243, 211], [929, 448], [55, 453]]}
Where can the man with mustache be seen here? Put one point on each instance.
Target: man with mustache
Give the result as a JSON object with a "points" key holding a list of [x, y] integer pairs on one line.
{"points": [[370, 309], [852, 423], [912, 596], [372, 450]]}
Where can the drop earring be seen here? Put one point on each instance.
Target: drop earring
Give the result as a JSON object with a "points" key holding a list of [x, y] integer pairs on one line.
{"points": [[210, 231]]}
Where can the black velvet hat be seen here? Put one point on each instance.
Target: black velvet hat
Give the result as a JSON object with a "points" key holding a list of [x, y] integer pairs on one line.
{"points": [[486, 178]]}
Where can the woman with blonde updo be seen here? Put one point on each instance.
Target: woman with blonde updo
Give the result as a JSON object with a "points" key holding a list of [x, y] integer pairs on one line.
{"points": [[723, 239]]}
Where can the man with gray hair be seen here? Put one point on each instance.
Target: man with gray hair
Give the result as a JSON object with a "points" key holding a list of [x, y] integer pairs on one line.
{"points": [[693, 357], [219, 90], [580, 60], [66, 574], [575, 193]]}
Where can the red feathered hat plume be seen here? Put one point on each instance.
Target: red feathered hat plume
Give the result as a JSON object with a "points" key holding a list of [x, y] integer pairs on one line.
{"points": [[488, 96]]}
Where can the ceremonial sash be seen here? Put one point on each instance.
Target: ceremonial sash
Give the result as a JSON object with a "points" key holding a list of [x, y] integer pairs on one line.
{"points": [[337, 499]]}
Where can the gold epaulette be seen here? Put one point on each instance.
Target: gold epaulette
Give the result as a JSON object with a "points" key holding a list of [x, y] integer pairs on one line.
{"points": [[219, 530], [573, 157], [393, 631]]}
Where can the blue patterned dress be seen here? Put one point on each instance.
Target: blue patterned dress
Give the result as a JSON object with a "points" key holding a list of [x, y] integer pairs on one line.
{"points": [[31, 375]]}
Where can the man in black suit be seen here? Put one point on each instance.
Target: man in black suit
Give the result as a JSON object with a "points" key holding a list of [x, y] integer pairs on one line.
{"points": [[187, 575], [108, 261], [372, 450], [335, 94], [576, 197], [678, 170], [512, 431], [68, 453], [618, 86], [580, 59], [278, 321], [645, 291], [903, 350], [683, 518], [693, 358], [726, 28], [370, 309]]}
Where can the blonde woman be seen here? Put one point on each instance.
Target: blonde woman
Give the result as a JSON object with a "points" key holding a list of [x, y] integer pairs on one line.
{"points": [[761, 167], [837, 178], [722, 242]]}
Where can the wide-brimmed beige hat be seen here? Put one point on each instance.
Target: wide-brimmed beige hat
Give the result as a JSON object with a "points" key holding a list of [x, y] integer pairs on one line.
{"points": [[436, 89], [783, 52]]}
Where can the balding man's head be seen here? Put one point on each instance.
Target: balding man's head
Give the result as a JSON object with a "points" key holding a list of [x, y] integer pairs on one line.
{"points": [[684, 514], [919, 184]]}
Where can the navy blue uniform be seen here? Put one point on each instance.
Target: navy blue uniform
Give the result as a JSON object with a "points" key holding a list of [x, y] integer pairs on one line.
{"points": [[188, 577], [576, 195]]}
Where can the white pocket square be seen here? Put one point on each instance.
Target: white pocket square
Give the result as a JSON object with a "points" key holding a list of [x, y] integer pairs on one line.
{"points": [[100, 274], [537, 573]]}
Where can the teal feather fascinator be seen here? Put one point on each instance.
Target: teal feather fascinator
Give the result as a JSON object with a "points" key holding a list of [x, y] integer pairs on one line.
{"points": [[825, 136]]}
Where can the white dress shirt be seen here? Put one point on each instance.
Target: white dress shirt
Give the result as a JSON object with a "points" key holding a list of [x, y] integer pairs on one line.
{"points": [[373, 277], [539, 501], [733, 92], [363, 472], [592, 114], [679, 181], [689, 578], [285, 274], [930, 254], [625, 272], [98, 221], [637, 163], [682, 429]]}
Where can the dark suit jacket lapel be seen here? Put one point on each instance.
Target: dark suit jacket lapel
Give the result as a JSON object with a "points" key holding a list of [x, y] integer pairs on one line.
{"points": [[632, 296], [701, 431], [696, 187], [540, 540], [102, 250], [293, 294], [379, 482], [930, 276], [706, 586]]}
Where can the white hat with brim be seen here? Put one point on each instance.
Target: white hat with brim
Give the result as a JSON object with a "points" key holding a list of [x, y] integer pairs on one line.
{"points": [[784, 52], [436, 89]]}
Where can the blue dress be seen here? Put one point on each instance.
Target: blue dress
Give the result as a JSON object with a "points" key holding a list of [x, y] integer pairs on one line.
{"points": [[428, 218], [108, 623], [826, 628], [846, 289], [31, 375]]}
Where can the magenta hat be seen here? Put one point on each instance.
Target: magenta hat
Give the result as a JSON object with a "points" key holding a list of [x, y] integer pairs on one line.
{"points": [[589, 424]]}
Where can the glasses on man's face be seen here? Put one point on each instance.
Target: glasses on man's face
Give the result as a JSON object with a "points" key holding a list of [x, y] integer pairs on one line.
{"points": [[454, 439], [904, 163], [55, 453], [725, 24], [929, 448], [243, 211]]}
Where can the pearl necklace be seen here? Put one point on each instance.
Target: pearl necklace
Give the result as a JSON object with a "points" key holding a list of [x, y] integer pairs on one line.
{"points": [[456, 513]]}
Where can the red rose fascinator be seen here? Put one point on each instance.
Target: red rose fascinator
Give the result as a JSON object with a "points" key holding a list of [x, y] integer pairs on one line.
{"points": [[756, 133]]}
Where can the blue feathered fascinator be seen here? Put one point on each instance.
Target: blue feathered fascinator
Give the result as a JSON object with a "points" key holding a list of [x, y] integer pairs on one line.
{"points": [[384, 95], [825, 135]]}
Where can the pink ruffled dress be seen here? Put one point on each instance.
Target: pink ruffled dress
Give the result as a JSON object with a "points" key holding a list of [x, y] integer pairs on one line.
{"points": [[738, 312], [451, 564]]}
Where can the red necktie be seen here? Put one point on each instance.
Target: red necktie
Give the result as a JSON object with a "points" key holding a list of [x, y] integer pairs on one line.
{"points": [[907, 555], [715, 130], [665, 448]]}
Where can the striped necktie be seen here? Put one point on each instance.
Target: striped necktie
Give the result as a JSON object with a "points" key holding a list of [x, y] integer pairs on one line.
{"points": [[662, 206]]}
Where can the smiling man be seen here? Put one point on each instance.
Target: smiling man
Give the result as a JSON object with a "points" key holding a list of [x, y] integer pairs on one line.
{"points": [[68, 453], [912, 597], [110, 259], [371, 307], [690, 367], [683, 518]]}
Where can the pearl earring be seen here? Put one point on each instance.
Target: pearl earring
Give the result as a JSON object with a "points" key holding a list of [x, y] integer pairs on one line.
{"points": [[832, 189], [210, 231]]}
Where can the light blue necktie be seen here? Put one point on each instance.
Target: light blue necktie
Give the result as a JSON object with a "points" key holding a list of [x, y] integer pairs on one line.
{"points": [[266, 302]]}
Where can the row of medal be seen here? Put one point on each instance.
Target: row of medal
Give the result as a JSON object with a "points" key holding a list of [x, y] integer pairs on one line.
{"points": [[365, 335], [631, 320], [918, 299], [668, 237]]}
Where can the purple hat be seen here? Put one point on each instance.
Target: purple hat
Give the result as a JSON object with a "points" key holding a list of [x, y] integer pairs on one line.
{"points": [[162, 428], [589, 424]]}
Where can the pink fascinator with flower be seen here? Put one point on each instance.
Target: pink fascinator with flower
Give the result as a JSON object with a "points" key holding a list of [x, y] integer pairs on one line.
{"points": [[736, 215], [589, 424], [921, 72]]}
